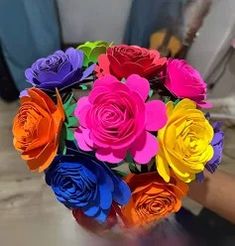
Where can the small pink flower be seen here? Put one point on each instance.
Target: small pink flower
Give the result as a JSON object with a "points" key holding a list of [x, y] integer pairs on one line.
{"points": [[184, 81], [115, 120]]}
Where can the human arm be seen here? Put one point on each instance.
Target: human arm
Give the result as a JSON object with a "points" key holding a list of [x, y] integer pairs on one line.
{"points": [[216, 193]]}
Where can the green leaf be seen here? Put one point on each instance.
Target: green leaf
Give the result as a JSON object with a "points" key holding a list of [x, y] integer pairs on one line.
{"points": [[131, 165], [176, 101], [150, 93], [70, 109], [166, 99], [120, 173], [64, 151], [96, 52], [83, 87], [69, 134], [129, 158], [68, 102], [62, 147], [72, 121], [133, 168]]}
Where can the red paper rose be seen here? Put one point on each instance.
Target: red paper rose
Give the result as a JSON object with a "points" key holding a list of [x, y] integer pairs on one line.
{"points": [[92, 225], [124, 60]]}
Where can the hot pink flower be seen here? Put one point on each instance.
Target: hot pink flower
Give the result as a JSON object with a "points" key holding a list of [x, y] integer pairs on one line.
{"points": [[115, 119], [184, 81]]}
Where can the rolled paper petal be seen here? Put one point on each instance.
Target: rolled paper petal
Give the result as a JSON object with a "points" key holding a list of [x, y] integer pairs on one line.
{"points": [[156, 117], [104, 69], [24, 93], [200, 177], [218, 145], [37, 127], [184, 81], [118, 120], [59, 70], [75, 57], [152, 199], [185, 142], [29, 75], [92, 50], [111, 156], [138, 84], [82, 182], [82, 137], [144, 148], [92, 225], [124, 60]]}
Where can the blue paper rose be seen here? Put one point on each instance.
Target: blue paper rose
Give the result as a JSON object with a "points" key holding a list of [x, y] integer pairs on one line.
{"points": [[86, 183], [59, 70]]}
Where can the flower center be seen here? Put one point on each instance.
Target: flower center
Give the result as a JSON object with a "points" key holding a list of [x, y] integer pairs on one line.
{"points": [[113, 120]]}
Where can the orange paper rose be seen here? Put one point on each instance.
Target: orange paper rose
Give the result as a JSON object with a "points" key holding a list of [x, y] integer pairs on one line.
{"points": [[36, 128], [152, 198]]}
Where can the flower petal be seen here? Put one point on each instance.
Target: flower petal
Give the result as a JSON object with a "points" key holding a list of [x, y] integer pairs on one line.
{"points": [[64, 69], [105, 81], [88, 71], [122, 193], [144, 148], [83, 106], [44, 160], [82, 102], [111, 156], [29, 74], [138, 84], [75, 57], [91, 211], [205, 104], [103, 67], [82, 137], [156, 116]]}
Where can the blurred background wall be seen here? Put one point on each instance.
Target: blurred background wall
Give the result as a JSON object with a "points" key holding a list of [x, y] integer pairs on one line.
{"points": [[41, 26], [209, 53], [212, 51], [91, 20]]}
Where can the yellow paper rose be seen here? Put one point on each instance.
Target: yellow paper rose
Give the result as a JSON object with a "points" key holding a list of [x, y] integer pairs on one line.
{"points": [[184, 142]]}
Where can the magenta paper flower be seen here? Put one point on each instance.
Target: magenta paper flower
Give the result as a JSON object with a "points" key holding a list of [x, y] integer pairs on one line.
{"points": [[184, 81], [116, 120]]}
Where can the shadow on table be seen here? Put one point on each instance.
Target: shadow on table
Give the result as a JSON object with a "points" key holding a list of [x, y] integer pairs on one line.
{"points": [[207, 228]]}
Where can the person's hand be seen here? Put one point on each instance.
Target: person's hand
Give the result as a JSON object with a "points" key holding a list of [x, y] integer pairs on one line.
{"points": [[216, 193]]}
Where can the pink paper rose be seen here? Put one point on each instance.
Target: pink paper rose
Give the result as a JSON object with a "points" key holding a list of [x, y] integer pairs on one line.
{"points": [[115, 119], [184, 81]]}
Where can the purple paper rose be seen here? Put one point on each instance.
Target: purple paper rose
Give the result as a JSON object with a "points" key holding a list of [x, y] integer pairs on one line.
{"points": [[59, 70], [218, 144]]}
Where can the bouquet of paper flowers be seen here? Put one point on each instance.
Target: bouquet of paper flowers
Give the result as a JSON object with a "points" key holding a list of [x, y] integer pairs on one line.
{"points": [[125, 151]]}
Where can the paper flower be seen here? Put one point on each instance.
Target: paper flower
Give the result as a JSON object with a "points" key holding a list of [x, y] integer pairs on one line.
{"points": [[184, 81], [114, 119], [36, 128], [86, 183], [218, 145], [92, 225], [59, 70], [92, 50], [152, 199], [185, 142], [124, 60]]}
